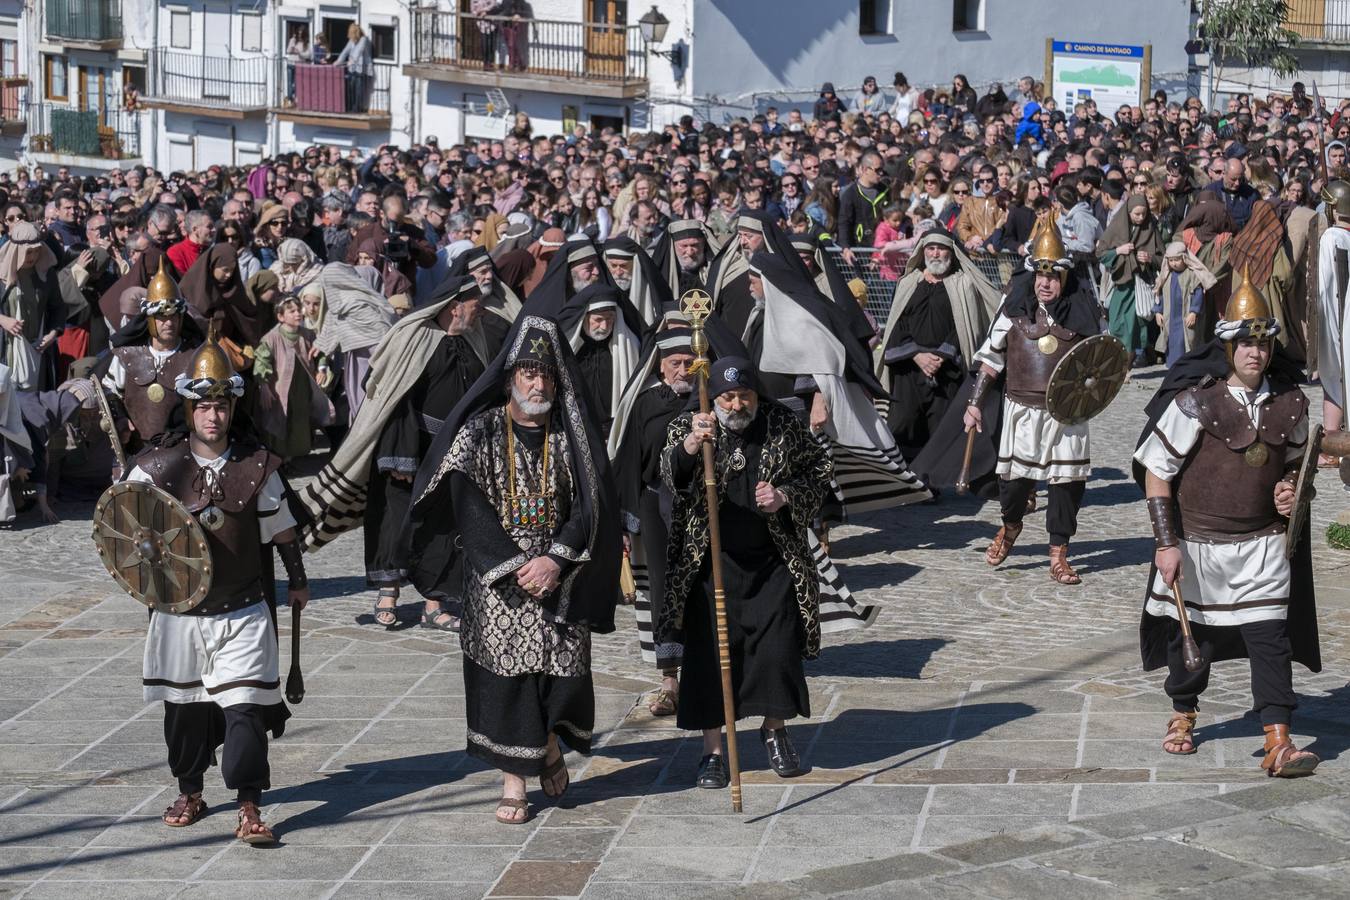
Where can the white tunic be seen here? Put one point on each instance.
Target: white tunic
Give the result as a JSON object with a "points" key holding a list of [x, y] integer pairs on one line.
{"points": [[229, 658], [1331, 347], [1222, 583], [1033, 443]]}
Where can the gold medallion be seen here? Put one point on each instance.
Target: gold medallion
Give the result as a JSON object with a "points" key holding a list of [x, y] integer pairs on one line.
{"points": [[1256, 455], [1048, 344], [155, 392]]}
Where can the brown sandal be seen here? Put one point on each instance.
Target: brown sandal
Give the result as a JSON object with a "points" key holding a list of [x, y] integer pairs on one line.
{"points": [[250, 820], [550, 772], [1060, 570], [1003, 543], [513, 803], [191, 806], [663, 703], [1179, 729], [1283, 759]]}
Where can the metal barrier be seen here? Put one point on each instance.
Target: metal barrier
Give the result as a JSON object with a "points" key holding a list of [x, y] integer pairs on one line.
{"points": [[881, 272]]}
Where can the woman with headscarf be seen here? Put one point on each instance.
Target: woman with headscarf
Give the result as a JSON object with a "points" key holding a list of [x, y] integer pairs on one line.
{"points": [[273, 223], [1260, 254], [1130, 249], [516, 237], [32, 314], [1206, 230], [356, 318], [296, 266], [214, 290], [1179, 298], [492, 230]]}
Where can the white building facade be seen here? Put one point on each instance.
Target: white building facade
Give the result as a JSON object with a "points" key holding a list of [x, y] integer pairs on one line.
{"points": [[216, 85]]}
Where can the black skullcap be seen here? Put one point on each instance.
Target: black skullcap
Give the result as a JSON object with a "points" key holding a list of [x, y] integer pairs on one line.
{"points": [[731, 373]]}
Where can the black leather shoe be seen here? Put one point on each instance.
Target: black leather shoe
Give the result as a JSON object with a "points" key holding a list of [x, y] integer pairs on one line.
{"points": [[783, 757], [712, 772]]}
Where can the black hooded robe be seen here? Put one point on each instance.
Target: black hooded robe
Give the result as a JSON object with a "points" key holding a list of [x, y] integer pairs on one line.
{"points": [[918, 402]]}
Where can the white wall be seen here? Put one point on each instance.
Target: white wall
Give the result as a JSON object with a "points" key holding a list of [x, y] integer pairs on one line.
{"points": [[747, 46]]}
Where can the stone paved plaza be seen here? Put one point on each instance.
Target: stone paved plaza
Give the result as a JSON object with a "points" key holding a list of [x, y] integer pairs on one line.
{"points": [[991, 736]]}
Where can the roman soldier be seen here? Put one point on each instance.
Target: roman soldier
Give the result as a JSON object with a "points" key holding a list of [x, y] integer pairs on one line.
{"points": [[1046, 312], [149, 353], [214, 665], [1217, 462], [684, 254]]}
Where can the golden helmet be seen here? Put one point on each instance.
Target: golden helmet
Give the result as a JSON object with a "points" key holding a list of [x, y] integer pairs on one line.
{"points": [[1246, 302], [209, 376], [161, 288], [1047, 246], [1336, 197]]}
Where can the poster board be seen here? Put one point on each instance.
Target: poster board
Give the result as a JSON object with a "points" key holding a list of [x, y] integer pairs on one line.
{"points": [[1111, 74]]}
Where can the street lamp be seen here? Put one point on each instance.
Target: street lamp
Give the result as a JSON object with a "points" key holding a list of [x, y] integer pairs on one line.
{"points": [[653, 27]]}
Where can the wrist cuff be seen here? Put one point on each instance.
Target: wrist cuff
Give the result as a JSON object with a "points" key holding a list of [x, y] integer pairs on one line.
{"points": [[294, 563], [1162, 514], [982, 382]]}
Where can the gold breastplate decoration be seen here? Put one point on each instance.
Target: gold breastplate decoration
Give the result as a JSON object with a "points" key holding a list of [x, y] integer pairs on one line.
{"points": [[527, 510]]}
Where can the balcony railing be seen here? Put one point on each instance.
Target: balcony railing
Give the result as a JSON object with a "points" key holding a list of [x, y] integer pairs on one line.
{"points": [[95, 21], [330, 90], [1319, 20], [591, 50], [214, 81], [108, 133]]}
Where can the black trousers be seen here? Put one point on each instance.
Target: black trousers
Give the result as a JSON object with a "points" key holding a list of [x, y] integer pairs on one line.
{"points": [[1269, 653], [192, 731], [1061, 514]]}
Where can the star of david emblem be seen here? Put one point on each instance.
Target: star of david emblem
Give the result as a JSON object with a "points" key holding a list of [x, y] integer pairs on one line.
{"points": [[1257, 329], [696, 305], [539, 347]]}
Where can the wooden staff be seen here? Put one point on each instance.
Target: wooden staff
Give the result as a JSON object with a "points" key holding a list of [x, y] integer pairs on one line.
{"points": [[295, 681], [696, 308], [963, 480], [1190, 653]]}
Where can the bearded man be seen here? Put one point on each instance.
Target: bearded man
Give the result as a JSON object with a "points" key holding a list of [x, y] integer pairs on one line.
{"points": [[939, 316], [500, 304], [658, 391], [683, 256], [518, 484], [1046, 312], [729, 277], [636, 275]]}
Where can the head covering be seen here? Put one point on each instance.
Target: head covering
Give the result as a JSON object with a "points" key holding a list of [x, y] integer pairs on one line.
{"points": [[296, 264], [209, 375], [23, 237], [271, 212], [517, 237], [489, 240], [355, 316], [1048, 253], [1208, 217], [1123, 230], [731, 373], [1247, 314], [1075, 308], [162, 298], [267, 280], [1255, 246], [243, 321], [257, 181], [1195, 269], [588, 591], [140, 274], [649, 292], [543, 251]]}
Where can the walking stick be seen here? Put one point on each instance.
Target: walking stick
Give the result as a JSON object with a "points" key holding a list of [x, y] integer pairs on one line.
{"points": [[696, 305], [1190, 653], [295, 681], [963, 480]]}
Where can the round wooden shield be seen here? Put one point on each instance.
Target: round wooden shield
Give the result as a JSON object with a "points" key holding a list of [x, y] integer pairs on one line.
{"points": [[152, 546], [1087, 379]]}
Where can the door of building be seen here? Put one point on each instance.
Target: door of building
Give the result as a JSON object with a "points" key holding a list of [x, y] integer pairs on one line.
{"points": [[216, 78], [606, 37]]}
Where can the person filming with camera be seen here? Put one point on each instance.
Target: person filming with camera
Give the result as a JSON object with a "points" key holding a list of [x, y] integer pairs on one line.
{"points": [[404, 243]]}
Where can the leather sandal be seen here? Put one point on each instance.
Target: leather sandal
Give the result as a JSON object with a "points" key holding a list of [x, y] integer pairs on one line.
{"points": [[1003, 543], [190, 805], [1060, 570], [663, 703], [1179, 729], [513, 803], [440, 620], [250, 821], [1283, 759], [390, 622], [551, 771]]}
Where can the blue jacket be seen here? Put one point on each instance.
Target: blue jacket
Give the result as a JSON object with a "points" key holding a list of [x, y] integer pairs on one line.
{"points": [[1028, 127]]}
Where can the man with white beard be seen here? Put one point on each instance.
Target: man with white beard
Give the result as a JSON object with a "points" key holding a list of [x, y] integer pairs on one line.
{"points": [[656, 394], [634, 274], [605, 343], [939, 316], [684, 255]]}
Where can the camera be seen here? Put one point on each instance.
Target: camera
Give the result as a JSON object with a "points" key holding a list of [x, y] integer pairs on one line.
{"points": [[396, 248]]}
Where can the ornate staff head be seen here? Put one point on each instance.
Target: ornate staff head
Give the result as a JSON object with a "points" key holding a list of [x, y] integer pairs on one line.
{"points": [[697, 306]]}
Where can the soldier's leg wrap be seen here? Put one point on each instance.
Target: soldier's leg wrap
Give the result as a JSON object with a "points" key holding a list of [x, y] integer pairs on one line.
{"points": [[1061, 514]]}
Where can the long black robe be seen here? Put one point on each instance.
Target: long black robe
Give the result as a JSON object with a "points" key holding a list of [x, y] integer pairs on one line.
{"points": [[735, 303], [764, 627], [918, 402], [405, 440], [596, 365]]}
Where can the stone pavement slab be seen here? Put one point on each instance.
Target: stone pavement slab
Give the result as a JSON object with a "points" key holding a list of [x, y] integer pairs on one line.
{"points": [[992, 735]]}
